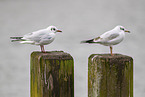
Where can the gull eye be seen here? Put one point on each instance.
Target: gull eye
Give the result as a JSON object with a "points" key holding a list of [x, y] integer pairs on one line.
{"points": [[53, 29], [122, 29]]}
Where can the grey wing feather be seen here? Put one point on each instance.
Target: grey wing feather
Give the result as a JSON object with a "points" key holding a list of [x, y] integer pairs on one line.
{"points": [[112, 36], [108, 36], [34, 36]]}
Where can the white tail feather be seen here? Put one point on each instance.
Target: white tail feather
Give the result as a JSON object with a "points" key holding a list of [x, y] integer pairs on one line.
{"points": [[27, 42]]}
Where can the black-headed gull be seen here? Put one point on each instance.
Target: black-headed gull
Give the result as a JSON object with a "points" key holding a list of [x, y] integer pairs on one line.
{"points": [[109, 38], [40, 37]]}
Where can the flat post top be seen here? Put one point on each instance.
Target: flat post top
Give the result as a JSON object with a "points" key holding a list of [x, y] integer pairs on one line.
{"points": [[108, 56], [59, 55]]}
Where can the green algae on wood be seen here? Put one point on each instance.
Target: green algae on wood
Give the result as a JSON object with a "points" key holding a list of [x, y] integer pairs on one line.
{"points": [[110, 76], [51, 74]]}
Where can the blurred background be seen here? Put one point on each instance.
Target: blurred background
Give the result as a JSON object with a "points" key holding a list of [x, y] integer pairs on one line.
{"points": [[79, 20]]}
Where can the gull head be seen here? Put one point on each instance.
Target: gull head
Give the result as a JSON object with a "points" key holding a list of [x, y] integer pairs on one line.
{"points": [[121, 28], [53, 29]]}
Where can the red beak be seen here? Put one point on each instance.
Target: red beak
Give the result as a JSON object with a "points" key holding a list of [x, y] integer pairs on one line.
{"points": [[127, 31], [58, 31]]}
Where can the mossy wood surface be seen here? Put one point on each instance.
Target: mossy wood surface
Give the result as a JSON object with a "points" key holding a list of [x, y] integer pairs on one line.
{"points": [[52, 74], [110, 76]]}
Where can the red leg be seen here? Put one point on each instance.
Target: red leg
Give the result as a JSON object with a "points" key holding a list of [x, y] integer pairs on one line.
{"points": [[42, 48], [111, 50]]}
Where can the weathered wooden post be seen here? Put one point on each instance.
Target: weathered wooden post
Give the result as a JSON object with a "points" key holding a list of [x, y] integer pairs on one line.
{"points": [[110, 76], [51, 74]]}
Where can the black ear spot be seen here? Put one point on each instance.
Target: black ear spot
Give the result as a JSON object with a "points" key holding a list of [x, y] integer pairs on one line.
{"points": [[121, 28], [53, 29]]}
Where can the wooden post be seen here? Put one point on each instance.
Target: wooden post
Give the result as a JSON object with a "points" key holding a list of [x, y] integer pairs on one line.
{"points": [[110, 76], [51, 74]]}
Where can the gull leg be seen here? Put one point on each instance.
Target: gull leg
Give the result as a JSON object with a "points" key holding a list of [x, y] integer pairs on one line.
{"points": [[111, 50], [42, 48]]}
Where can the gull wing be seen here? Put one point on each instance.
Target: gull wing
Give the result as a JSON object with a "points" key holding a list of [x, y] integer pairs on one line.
{"points": [[35, 36], [109, 36], [112, 36], [91, 40]]}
